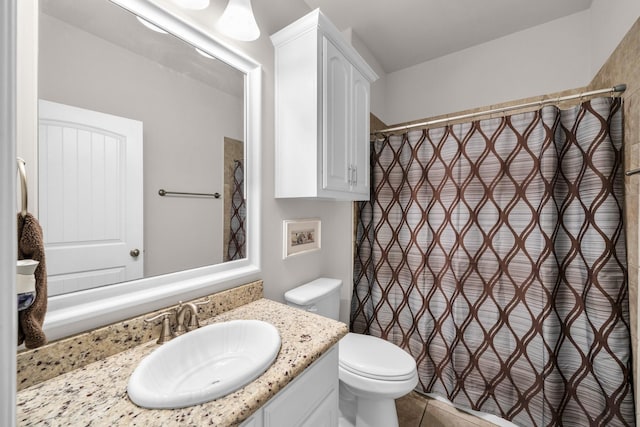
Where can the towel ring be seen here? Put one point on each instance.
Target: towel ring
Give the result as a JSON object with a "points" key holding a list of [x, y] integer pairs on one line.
{"points": [[23, 186]]}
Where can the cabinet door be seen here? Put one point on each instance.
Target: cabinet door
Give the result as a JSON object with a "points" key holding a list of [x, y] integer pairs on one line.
{"points": [[336, 134], [254, 421], [309, 400], [326, 414], [360, 139]]}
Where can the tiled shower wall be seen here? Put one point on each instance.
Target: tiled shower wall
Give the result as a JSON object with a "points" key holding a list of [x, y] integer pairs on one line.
{"points": [[623, 66]]}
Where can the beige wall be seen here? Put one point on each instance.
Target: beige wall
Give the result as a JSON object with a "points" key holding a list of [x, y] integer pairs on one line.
{"points": [[623, 66], [546, 58], [610, 21], [551, 57]]}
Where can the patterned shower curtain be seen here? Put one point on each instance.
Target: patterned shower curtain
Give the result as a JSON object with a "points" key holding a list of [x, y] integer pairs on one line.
{"points": [[494, 253], [237, 237]]}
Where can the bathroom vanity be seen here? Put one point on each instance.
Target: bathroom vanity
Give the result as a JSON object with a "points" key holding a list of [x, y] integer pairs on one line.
{"points": [[311, 399], [300, 387]]}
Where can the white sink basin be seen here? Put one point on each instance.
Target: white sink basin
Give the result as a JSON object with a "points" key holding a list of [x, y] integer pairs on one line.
{"points": [[204, 364]]}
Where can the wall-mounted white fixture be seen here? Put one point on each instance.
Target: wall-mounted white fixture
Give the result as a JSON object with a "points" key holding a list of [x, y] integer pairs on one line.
{"points": [[237, 21], [26, 282], [150, 26], [192, 4]]}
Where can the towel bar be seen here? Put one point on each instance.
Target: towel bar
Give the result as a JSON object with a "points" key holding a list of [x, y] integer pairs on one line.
{"points": [[181, 193], [632, 172]]}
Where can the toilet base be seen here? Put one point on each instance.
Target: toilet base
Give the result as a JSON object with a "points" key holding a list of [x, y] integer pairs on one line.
{"points": [[376, 413], [358, 411]]}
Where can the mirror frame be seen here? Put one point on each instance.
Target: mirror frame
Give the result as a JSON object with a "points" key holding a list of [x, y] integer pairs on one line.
{"points": [[72, 313], [8, 173]]}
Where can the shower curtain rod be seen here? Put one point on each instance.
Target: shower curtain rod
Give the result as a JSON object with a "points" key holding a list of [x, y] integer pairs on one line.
{"points": [[612, 90]]}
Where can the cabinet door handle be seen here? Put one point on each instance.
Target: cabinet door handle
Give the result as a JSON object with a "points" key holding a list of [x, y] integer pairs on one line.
{"points": [[350, 175], [355, 175]]}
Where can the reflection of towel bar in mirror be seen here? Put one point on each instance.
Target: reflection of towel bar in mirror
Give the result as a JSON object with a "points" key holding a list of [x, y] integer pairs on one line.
{"points": [[23, 186], [632, 172], [180, 193]]}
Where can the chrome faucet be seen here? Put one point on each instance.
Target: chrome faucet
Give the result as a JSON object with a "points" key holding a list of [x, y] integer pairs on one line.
{"points": [[182, 309]]}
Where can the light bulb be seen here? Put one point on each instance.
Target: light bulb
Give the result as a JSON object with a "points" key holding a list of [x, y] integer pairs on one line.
{"points": [[192, 4], [237, 21]]}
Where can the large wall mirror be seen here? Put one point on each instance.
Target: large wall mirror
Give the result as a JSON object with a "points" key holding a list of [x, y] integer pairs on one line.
{"points": [[146, 155]]}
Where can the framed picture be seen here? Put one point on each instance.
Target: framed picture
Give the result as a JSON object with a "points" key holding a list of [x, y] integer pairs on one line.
{"points": [[300, 236]]}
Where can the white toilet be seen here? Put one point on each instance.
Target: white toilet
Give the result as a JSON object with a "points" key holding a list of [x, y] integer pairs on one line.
{"points": [[372, 372]]}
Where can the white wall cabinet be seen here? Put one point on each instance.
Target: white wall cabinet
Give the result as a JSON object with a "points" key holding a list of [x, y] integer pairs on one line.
{"points": [[310, 400], [322, 112]]}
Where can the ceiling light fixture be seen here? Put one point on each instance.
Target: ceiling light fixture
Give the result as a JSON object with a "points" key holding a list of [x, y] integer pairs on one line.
{"points": [[237, 21], [192, 4], [150, 26]]}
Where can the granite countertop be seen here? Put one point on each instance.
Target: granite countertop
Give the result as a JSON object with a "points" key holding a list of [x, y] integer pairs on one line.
{"points": [[96, 395]]}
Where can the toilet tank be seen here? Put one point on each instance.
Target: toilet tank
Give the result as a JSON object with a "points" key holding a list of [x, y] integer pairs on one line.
{"points": [[321, 296]]}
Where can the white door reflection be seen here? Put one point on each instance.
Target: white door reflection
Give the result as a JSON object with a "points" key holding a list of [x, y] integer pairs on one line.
{"points": [[90, 197]]}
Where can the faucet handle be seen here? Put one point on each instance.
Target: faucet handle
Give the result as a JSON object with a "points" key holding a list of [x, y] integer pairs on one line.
{"points": [[207, 301], [193, 319], [165, 330]]}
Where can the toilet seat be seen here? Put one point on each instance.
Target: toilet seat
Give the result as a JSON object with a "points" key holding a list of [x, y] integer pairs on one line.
{"points": [[375, 358]]}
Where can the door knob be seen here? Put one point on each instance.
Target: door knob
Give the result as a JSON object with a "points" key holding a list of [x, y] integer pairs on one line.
{"points": [[134, 253]]}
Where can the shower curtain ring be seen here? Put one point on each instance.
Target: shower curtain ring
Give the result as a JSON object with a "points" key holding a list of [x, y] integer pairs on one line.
{"points": [[581, 98], [380, 137]]}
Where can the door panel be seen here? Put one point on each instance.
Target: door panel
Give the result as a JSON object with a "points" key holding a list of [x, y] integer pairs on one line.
{"points": [[90, 197], [360, 154], [336, 134]]}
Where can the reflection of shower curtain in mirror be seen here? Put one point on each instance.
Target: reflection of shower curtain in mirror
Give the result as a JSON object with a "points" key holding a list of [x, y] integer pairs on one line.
{"points": [[237, 240]]}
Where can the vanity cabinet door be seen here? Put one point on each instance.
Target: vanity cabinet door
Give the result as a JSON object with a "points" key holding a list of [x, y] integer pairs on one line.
{"points": [[309, 400], [325, 414], [254, 420]]}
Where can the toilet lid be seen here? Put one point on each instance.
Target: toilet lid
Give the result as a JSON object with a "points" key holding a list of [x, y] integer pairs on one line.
{"points": [[375, 358]]}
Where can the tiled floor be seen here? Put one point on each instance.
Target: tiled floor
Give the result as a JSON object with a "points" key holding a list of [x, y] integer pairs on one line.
{"points": [[415, 410]]}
